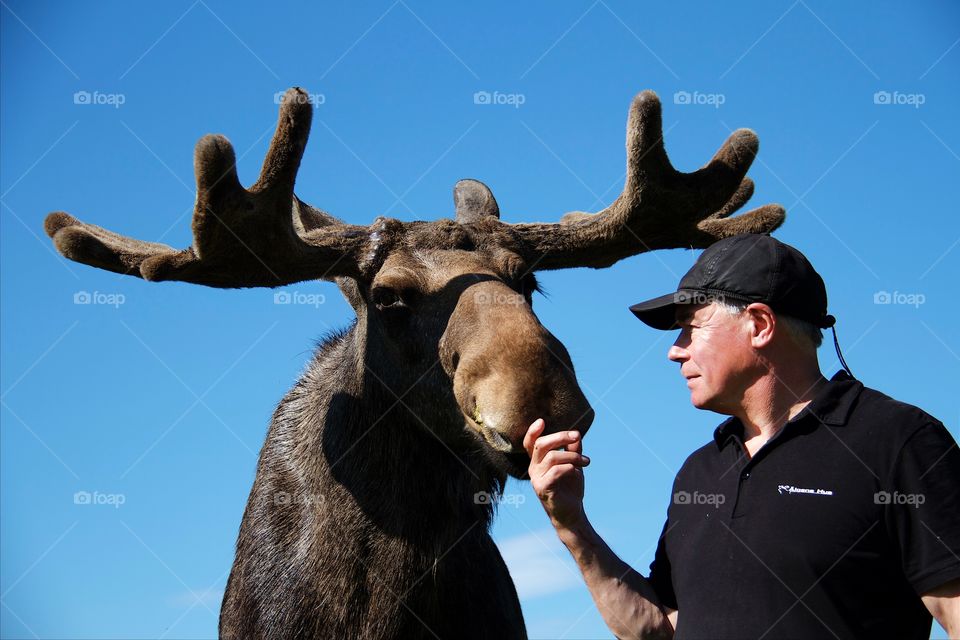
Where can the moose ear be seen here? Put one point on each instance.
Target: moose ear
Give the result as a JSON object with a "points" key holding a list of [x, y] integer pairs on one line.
{"points": [[351, 291], [474, 201]]}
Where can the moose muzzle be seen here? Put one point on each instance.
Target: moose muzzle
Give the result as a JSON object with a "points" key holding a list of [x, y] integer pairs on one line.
{"points": [[508, 370]]}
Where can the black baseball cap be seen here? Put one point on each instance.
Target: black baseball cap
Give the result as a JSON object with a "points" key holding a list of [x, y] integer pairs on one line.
{"points": [[742, 269]]}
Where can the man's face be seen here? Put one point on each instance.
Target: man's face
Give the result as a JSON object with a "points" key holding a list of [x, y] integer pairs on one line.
{"points": [[715, 356]]}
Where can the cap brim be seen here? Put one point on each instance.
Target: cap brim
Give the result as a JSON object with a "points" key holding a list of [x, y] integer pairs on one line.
{"points": [[659, 313]]}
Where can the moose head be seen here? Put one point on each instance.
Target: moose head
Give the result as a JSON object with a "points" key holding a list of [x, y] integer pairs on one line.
{"points": [[443, 308]]}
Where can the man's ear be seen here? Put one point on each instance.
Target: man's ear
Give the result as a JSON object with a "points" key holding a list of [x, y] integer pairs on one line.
{"points": [[763, 324]]}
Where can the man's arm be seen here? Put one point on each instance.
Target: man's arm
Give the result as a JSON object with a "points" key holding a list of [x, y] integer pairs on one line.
{"points": [[943, 603], [928, 531], [625, 599]]}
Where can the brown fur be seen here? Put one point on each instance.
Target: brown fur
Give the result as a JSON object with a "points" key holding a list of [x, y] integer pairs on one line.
{"points": [[374, 492]]}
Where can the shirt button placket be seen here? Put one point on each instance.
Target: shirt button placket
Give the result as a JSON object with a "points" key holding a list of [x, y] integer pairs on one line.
{"points": [[738, 505]]}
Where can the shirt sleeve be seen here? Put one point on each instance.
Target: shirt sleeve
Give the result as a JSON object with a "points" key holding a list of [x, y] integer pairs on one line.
{"points": [[661, 577], [923, 508]]}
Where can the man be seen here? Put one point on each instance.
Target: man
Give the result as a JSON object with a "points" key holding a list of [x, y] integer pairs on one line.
{"points": [[820, 508]]}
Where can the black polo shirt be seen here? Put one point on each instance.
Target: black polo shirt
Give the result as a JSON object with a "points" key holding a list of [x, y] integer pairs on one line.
{"points": [[833, 529]]}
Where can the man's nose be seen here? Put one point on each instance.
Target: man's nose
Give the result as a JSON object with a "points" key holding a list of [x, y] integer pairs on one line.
{"points": [[676, 354]]}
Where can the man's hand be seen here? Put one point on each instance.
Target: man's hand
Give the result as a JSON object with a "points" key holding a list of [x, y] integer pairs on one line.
{"points": [[624, 598], [557, 475]]}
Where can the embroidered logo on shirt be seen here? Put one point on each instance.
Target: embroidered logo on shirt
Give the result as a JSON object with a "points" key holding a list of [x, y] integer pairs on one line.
{"points": [[789, 488]]}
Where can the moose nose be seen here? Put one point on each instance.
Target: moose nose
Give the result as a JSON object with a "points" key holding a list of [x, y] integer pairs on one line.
{"points": [[572, 413], [508, 370], [581, 423], [504, 391]]}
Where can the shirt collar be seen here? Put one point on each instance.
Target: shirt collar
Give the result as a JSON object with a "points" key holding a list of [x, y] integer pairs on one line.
{"points": [[727, 429], [832, 406]]}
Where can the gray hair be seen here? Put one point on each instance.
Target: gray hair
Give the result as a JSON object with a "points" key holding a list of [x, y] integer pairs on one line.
{"points": [[803, 332]]}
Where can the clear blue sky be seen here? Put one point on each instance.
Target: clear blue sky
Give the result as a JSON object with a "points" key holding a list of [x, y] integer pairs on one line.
{"points": [[162, 402]]}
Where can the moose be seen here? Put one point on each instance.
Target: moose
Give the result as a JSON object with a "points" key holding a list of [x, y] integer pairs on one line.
{"points": [[375, 489]]}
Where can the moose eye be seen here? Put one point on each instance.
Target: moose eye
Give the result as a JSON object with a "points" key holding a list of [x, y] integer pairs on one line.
{"points": [[385, 298]]}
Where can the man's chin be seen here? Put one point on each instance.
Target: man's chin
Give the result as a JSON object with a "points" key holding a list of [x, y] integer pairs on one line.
{"points": [[710, 404], [703, 403], [697, 401]]}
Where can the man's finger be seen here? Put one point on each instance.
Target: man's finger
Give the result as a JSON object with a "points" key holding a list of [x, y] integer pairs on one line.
{"points": [[551, 442], [554, 458], [533, 432], [555, 473]]}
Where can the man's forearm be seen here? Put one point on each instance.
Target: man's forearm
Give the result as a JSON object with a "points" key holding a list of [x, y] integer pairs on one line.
{"points": [[625, 599]]}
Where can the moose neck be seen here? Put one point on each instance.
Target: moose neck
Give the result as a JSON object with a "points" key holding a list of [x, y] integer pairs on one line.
{"points": [[404, 479]]}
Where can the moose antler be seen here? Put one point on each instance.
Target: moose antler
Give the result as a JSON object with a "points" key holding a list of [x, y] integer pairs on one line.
{"points": [[659, 207], [266, 237], [258, 237]]}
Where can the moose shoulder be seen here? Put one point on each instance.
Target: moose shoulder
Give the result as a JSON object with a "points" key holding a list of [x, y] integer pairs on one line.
{"points": [[370, 510]]}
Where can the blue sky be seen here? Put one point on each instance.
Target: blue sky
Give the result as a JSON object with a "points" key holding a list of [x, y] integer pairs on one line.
{"points": [[157, 396]]}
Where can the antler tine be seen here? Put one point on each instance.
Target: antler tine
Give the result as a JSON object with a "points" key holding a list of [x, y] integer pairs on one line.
{"points": [[659, 207], [279, 171], [98, 247], [261, 237]]}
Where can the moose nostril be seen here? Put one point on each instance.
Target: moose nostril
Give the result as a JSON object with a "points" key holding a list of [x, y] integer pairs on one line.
{"points": [[455, 360]]}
